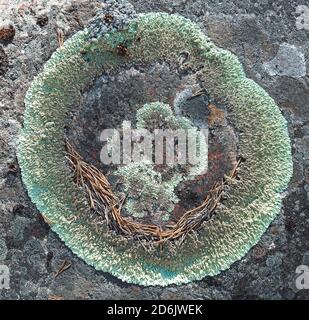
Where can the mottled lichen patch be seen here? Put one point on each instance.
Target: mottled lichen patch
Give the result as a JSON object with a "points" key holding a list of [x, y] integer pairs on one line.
{"points": [[289, 61]]}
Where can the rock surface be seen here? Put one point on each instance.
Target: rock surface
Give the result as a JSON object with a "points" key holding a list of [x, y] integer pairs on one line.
{"points": [[262, 34]]}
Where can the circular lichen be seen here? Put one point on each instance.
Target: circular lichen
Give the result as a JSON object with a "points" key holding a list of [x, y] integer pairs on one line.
{"points": [[252, 203]]}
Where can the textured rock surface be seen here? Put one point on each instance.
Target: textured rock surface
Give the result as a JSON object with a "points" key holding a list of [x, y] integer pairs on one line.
{"points": [[255, 33], [289, 61]]}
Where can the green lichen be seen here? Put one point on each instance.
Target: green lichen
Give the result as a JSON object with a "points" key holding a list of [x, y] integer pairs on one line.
{"points": [[157, 115], [160, 116], [148, 191], [252, 203]]}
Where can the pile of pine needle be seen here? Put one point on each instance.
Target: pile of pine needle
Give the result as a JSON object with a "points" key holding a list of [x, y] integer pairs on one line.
{"points": [[105, 202]]}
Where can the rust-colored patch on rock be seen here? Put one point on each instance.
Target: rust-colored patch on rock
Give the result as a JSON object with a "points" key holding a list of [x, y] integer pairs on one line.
{"points": [[259, 252], [216, 115], [7, 32]]}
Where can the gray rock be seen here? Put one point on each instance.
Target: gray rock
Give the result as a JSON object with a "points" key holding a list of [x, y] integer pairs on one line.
{"points": [[3, 249], [289, 61]]}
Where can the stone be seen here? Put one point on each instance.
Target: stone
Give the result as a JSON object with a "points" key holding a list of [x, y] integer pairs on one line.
{"points": [[4, 62], [289, 61], [3, 249]]}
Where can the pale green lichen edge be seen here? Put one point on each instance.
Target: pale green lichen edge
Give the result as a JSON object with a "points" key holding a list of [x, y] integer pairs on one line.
{"points": [[251, 205]]}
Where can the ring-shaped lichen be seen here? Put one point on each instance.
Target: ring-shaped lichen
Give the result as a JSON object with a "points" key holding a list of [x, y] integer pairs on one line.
{"points": [[251, 204]]}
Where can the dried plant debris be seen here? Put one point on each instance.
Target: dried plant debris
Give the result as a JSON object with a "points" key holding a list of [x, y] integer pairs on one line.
{"points": [[54, 297], [64, 266], [105, 202]]}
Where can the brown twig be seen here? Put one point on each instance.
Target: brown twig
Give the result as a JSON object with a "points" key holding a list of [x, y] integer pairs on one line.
{"points": [[54, 297], [60, 37], [64, 266]]}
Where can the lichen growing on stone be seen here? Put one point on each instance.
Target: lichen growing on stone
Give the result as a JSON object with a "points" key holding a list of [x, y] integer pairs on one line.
{"points": [[160, 116], [264, 142], [146, 190], [149, 190]]}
